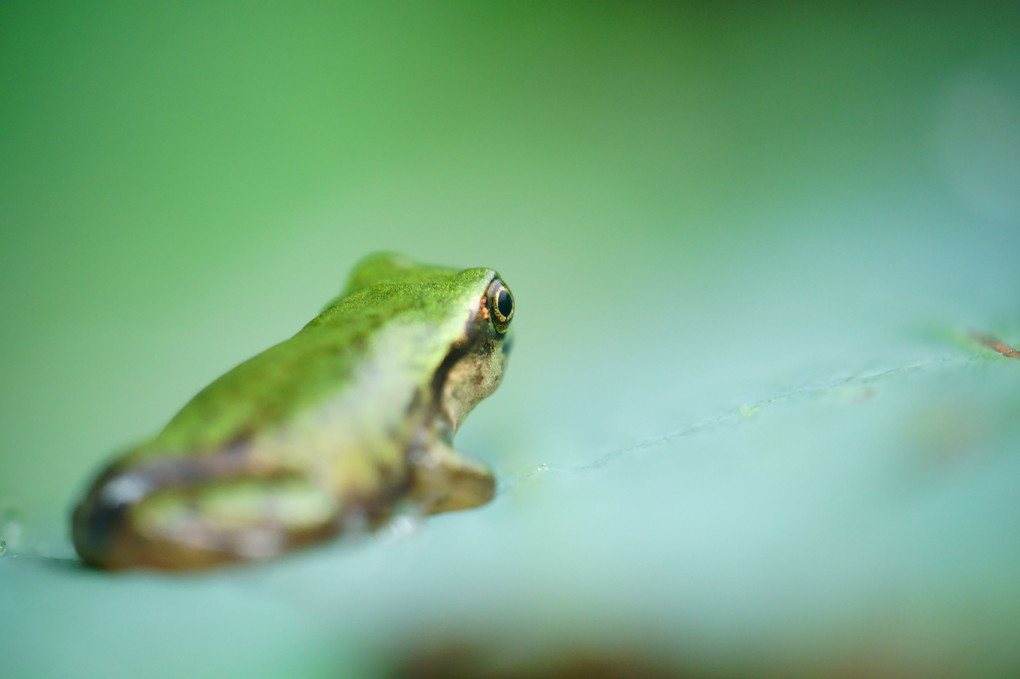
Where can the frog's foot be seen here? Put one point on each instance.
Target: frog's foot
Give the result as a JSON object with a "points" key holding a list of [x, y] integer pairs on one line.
{"points": [[446, 480]]}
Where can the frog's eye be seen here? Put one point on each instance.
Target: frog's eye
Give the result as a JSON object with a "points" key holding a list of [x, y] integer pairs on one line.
{"points": [[501, 305]]}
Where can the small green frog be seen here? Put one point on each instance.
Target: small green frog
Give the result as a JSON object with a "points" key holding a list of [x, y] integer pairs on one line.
{"points": [[323, 434]]}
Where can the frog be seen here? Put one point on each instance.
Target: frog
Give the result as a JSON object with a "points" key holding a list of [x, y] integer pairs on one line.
{"points": [[330, 433]]}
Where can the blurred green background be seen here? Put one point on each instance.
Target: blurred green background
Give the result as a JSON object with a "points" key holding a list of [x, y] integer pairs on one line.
{"points": [[744, 429]]}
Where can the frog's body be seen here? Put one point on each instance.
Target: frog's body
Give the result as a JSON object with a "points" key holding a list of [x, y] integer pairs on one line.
{"points": [[321, 434]]}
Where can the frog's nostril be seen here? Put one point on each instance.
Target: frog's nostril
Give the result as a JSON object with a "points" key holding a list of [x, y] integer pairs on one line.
{"points": [[508, 343]]}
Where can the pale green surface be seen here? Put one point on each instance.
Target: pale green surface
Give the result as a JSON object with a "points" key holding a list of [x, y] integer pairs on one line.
{"points": [[741, 423]]}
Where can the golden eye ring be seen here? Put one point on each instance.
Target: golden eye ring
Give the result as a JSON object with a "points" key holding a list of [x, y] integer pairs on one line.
{"points": [[501, 305]]}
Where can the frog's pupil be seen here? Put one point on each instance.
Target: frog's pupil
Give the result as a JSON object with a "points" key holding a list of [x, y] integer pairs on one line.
{"points": [[504, 303]]}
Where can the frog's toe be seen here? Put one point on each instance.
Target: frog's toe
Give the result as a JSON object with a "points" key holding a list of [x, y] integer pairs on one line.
{"points": [[466, 490], [449, 481]]}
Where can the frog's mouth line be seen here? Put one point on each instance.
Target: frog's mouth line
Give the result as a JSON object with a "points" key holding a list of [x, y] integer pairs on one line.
{"points": [[507, 343]]}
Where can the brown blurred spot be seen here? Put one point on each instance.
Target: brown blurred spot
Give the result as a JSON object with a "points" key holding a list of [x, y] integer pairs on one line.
{"points": [[460, 661], [998, 345]]}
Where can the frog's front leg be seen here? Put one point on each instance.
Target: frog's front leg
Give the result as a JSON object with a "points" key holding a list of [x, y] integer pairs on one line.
{"points": [[446, 480]]}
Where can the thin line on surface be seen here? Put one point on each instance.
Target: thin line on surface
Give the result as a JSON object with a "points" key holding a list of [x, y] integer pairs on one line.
{"points": [[735, 415]]}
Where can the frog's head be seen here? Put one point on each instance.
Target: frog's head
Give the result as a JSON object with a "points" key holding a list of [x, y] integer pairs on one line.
{"points": [[466, 316], [474, 365]]}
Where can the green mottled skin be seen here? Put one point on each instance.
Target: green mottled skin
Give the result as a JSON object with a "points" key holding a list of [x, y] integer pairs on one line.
{"points": [[330, 428]]}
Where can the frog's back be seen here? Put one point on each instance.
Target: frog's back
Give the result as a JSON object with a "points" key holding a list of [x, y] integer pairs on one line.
{"points": [[374, 346]]}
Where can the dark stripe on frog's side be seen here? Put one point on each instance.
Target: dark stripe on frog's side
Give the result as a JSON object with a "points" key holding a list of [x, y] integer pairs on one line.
{"points": [[433, 396], [476, 331], [456, 353]]}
